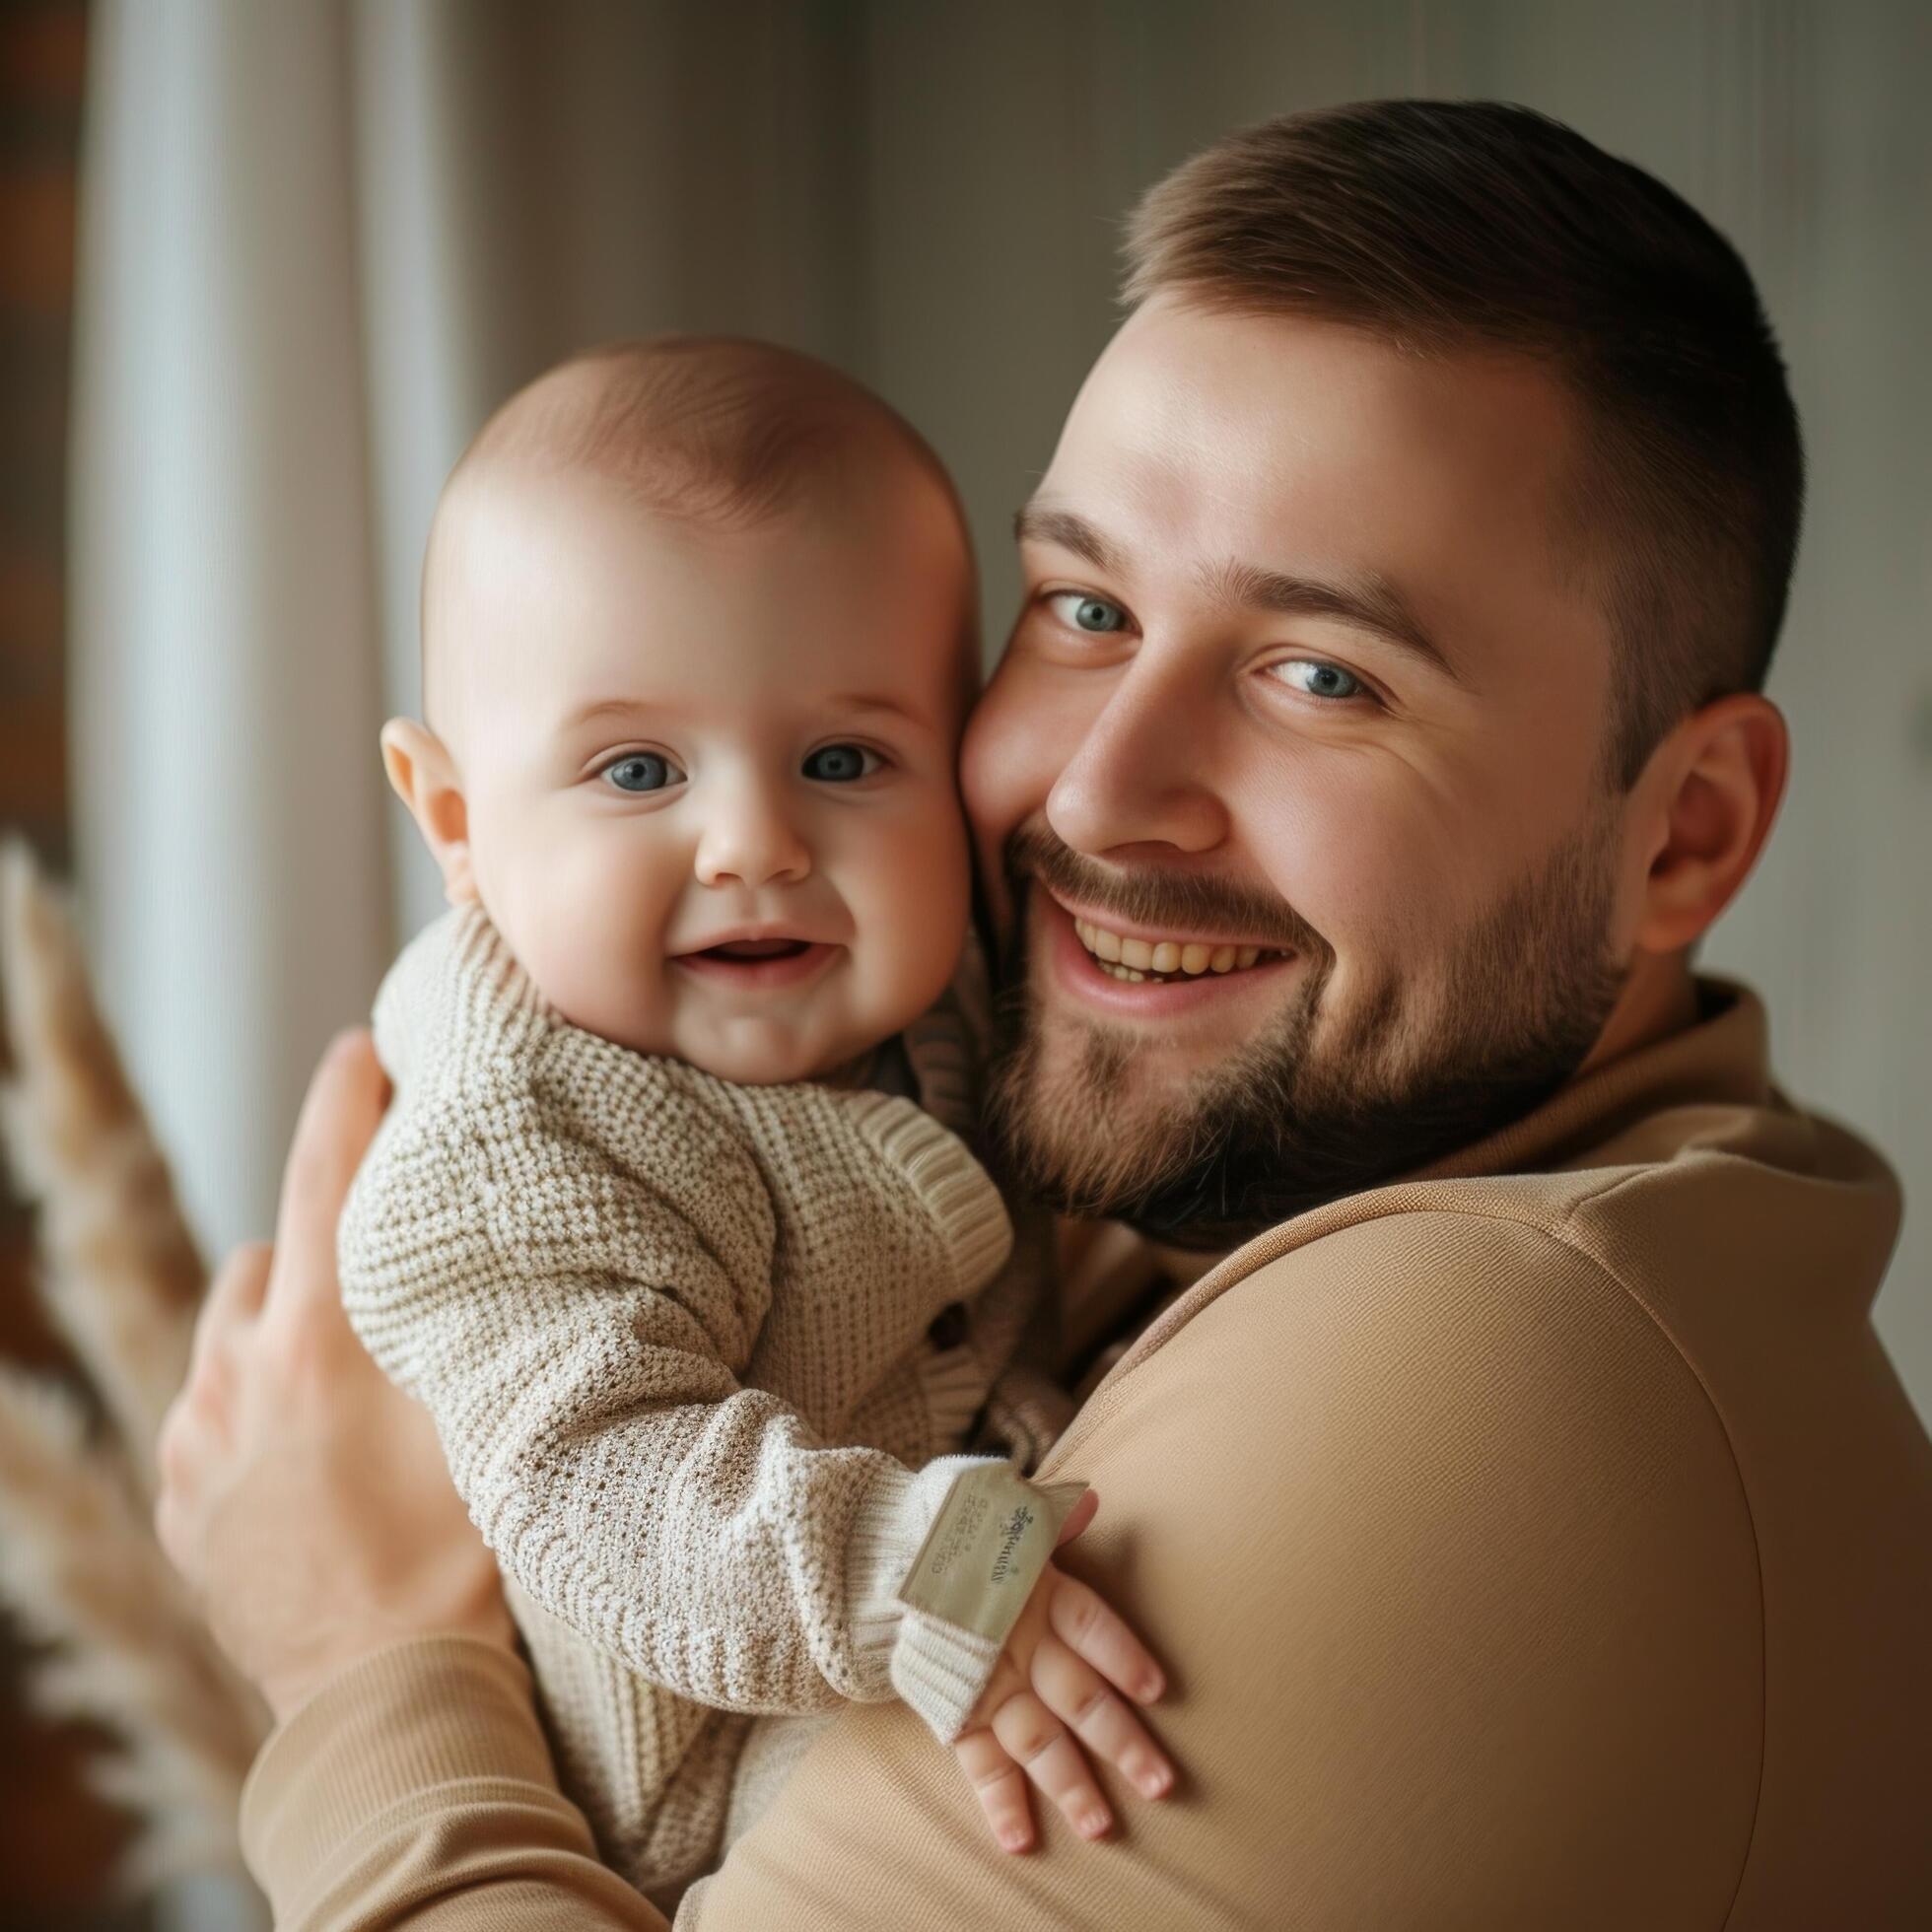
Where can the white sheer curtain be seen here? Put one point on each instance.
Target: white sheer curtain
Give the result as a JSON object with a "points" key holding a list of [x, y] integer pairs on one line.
{"points": [[225, 667], [320, 238]]}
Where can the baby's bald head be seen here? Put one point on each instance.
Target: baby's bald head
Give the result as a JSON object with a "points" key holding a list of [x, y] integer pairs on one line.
{"points": [[709, 431]]}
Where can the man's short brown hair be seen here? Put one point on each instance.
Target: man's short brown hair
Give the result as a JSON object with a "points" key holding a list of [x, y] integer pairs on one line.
{"points": [[1471, 223]]}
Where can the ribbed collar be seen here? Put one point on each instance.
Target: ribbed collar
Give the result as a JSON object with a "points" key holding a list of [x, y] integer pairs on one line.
{"points": [[1721, 1058]]}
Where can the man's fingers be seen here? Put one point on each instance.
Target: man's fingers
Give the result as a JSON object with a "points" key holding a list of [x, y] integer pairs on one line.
{"points": [[1076, 1693], [1045, 1749], [1001, 1786], [170, 1532], [220, 1331], [1088, 1628], [233, 1296], [339, 1118]]}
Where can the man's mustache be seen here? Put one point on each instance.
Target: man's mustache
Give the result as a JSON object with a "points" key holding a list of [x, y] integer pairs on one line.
{"points": [[1173, 902]]}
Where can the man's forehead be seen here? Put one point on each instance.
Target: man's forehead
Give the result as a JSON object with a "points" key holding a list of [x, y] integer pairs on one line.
{"points": [[1217, 405]]}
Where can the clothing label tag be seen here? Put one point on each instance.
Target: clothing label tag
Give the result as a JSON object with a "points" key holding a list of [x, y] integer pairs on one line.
{"points": [[986, 1548]]}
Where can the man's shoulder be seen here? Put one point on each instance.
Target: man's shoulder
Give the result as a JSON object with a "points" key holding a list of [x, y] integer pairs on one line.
{"points": [[1449, 1548], [1452, 1316], [1536, 1242]]}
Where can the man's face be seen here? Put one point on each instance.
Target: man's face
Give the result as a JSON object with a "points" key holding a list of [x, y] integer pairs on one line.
{"points": [[1293, 773]]}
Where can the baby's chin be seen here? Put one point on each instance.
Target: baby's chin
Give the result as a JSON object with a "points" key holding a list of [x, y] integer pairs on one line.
{"points": [[772, 1037], [771, 1052]]}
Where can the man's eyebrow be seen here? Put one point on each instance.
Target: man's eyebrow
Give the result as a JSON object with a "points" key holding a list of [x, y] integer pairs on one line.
{"points": [[1041, 522], [1369, 600]]}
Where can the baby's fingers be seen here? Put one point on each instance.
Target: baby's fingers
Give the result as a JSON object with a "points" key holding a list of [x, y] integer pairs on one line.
{"points": [[1046, 1751], [1088, 1628], [1074, 1691], [1001, 1786]]}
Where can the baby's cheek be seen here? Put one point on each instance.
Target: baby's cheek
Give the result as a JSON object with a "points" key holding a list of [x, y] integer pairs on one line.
{"points": [[591, 935]]}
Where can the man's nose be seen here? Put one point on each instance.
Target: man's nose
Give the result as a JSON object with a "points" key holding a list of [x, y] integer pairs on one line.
{"points": [[1144, 770], [750, 837]]}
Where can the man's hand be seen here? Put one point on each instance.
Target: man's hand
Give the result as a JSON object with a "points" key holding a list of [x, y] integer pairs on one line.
{"points": [[303, 1497], [1057, 1680]]}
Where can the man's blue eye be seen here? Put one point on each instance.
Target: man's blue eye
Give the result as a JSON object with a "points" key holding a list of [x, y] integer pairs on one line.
{"points": [[1087, 613], [642, 771], [1317, 679], [840, 764]]}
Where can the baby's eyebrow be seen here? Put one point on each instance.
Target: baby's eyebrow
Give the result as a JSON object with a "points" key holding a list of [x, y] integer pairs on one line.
{"points": [[872, 701], [600, 709], [606, 707]]}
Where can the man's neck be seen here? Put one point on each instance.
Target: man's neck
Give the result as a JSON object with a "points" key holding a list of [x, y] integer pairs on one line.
{"points": [[1659, 999]]}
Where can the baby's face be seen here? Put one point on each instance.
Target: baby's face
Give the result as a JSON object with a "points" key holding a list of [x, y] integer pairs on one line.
{"points": [[709, 775]]}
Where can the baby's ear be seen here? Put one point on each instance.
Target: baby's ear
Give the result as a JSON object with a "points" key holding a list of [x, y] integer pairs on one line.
{"points": [[426, 780]]}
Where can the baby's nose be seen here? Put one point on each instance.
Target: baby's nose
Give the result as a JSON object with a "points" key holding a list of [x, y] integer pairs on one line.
{"points": [[752, 842]]}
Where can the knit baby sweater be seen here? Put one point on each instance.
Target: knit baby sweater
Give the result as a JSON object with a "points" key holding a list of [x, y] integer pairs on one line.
{"points": [[655, 1315]]}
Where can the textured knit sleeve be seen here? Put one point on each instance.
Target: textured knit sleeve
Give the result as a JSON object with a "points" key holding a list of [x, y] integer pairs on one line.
{"points": [[577, 1326]]}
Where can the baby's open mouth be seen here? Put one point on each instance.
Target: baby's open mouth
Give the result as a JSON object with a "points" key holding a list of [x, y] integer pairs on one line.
{"points": [[757, 949], [773, 963]]}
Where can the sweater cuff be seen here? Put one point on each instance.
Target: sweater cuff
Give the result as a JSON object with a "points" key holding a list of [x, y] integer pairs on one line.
{"points": [[940, 1671]]}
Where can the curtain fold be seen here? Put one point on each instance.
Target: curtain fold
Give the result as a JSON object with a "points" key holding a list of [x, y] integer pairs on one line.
{"points": [[224, 689]]}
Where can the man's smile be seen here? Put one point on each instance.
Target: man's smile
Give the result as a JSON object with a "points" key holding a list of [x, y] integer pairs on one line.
{"points": [[1127, 957], [1144, 971]]}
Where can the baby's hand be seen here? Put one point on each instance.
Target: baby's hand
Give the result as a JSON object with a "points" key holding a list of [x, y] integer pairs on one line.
{"points": [[1057, 1679]]}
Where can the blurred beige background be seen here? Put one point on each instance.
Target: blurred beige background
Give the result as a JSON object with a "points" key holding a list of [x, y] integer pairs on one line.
{"points": [[319, 241]]}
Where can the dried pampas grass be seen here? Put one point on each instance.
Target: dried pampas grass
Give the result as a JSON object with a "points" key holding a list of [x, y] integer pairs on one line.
{"points": [[80, 1572], [120, 1274], [79, 1569]]}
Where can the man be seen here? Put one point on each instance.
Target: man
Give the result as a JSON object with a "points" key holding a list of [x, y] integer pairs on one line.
{"points": [[1533, 1527]]}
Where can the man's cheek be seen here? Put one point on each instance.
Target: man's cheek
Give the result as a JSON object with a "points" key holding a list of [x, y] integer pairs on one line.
{"points": [[1348, 858], [1000, 788], [1019, 740], [985, 780]]}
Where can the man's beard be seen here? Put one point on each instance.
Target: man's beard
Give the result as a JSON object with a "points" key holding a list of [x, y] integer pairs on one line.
{"points": [[1305, 1112]]}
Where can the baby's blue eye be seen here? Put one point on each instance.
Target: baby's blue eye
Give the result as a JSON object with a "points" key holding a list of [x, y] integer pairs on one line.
{"points": [[642, 771], [1087, 613], [1317, 679], [840, 764]]}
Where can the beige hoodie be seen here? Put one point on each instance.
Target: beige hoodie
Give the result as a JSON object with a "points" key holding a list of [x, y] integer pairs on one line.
{"points": [[1542, 1541]]}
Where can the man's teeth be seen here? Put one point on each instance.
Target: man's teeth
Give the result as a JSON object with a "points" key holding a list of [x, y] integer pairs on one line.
{"points": [[1140, 960]]}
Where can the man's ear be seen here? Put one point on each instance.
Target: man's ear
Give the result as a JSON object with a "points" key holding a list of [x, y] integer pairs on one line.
{"points": [[1717, 782], [426, 780]]}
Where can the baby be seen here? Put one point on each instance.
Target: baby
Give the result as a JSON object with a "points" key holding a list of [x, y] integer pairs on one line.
{"points": [[670, 1223]]}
